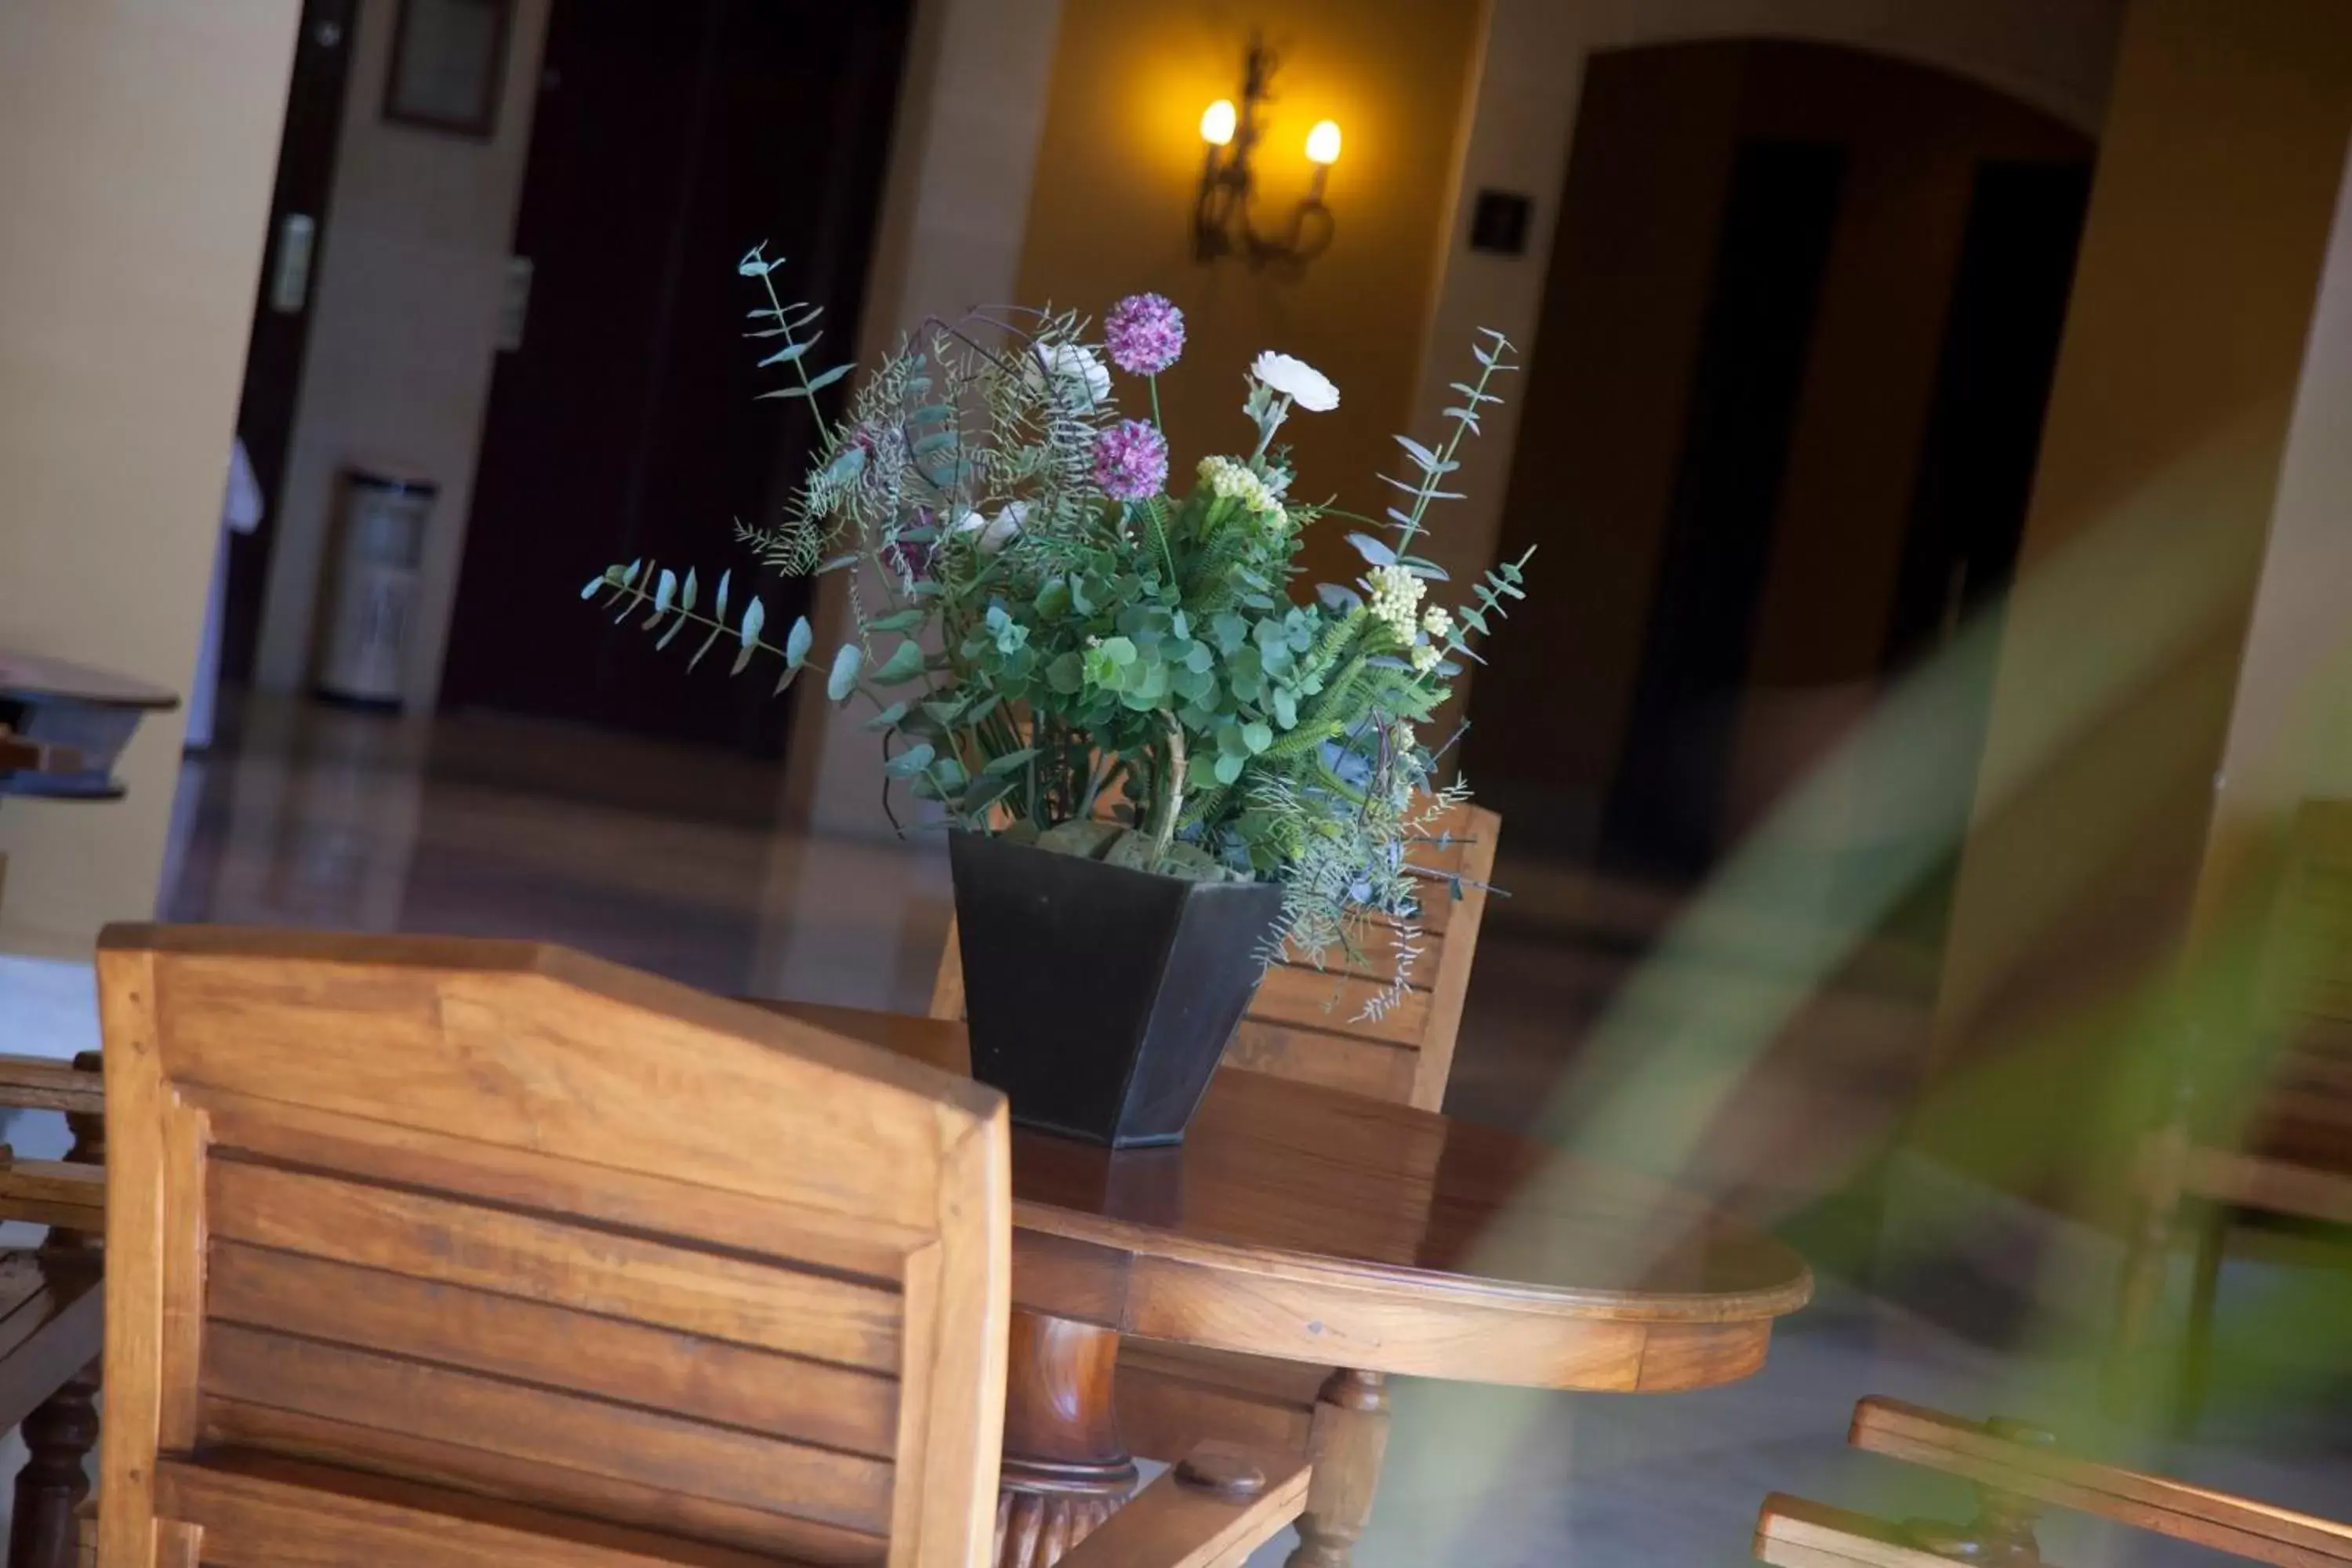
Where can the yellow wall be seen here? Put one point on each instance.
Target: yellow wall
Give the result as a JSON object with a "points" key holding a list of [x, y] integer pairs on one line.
{"points": [[137, 143], [2208, 222], [1112, 210]]}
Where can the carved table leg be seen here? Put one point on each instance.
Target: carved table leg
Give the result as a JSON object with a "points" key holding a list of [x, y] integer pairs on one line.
{"points": [[1350, 1437], [1065, 1470], [57, 1436]]}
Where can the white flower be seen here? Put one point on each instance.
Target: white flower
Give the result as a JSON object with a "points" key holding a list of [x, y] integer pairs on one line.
{"points": [[995, 532], [1076, 374], [1298, 380], [1396, 596], [1230, 480], [1437, 621], [1424, 657]]}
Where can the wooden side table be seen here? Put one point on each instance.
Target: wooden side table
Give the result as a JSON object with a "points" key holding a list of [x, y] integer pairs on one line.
{"points": [[1316, 1227], [63, 726]]}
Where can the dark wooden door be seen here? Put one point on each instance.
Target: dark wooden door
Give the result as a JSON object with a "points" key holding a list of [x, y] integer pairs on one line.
{"points": [[671, 135], [1983, 440], [1664, 810], [281, 311]]}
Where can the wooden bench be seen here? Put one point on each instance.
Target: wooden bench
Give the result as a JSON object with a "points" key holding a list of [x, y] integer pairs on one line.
{"points": [[2019, 1472], [2260, 1122]]}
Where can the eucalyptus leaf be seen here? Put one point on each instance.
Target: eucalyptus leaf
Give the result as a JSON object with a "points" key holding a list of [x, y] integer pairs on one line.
{"points": [[843, 681], [1009, 763], [847, 464], [888, 718], [797, 641], [913, 760], [904, 663]]}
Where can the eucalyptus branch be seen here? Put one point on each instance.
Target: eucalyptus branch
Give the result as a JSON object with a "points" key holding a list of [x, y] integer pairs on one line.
{"points": [[1171, 793]]}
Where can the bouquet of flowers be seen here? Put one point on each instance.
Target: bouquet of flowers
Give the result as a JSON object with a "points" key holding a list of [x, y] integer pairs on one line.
{"points": [[1062, 640]]}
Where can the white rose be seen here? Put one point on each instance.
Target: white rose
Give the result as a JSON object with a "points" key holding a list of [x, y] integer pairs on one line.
{"points": [[1073, 369], [1298, 380]]}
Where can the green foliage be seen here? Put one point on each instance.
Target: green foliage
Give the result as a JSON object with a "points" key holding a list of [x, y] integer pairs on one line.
{"points": [[1134, 679]]}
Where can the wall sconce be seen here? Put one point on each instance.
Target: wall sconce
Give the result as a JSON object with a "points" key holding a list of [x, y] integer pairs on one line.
{"points": [[1220, 215]]}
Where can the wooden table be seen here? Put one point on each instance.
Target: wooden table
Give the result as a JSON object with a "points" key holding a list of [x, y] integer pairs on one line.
{"points": [[1326, 1228], [63, 725]]}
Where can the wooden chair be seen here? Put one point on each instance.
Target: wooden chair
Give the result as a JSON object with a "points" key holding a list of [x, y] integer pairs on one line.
{"points": [[1303, 1025], [50, 1319], [2264, 1131], [460, 1254], [2018, 1472]]}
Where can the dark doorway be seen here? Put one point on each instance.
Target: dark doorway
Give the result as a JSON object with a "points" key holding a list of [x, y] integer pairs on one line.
{"points": [[1983, 438], [1779, 218], [281, 312], [670, 136]]}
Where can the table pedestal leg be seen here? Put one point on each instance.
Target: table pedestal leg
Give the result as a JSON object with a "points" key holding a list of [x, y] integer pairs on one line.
{"points": [[58, 1435], [1349, 1439], [1065, 1470]]}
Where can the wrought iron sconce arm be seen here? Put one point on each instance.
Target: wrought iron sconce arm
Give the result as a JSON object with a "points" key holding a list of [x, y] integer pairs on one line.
{"points": [[1221, 225]]}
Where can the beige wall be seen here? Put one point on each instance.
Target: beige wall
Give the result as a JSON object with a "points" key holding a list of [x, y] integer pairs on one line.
{"points": [[137, 140], [2119, 665], [403, 338], [2291, 725]]}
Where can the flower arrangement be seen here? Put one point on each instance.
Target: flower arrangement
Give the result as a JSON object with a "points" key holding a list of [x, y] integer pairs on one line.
{"points": [[1063, 638]]}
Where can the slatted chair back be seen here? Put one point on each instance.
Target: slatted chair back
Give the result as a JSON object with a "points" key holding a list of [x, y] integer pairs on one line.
{"points": [[456, 1254], [2018, 1474], [2297, 1104], [1305, 1023]]}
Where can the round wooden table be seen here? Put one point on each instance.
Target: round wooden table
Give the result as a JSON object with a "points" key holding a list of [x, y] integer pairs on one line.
{"points": [[1326, 1228]]}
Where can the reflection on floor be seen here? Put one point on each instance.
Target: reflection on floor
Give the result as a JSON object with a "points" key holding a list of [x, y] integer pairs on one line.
{"points": [[668, 861]]}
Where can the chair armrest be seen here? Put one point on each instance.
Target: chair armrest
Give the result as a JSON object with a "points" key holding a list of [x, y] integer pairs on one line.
{"points": [[1176, 1523], [54, 1193], [43, 1083], [1796, 1532], [1985, 1454]]}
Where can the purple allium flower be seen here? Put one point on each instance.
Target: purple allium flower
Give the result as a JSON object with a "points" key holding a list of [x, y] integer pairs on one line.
{"points": [[1145, 333], [1131, 460]]}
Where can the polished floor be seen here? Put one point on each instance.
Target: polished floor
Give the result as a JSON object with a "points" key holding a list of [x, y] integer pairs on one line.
{"points": [[669, 860]]}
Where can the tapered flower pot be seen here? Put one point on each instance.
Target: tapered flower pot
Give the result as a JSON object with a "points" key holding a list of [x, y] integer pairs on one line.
{"points": [[1099, 998]]}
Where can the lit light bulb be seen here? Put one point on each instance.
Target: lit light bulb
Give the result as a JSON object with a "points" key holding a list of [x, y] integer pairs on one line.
{"points": [[1217, 123], [1323, 143]]}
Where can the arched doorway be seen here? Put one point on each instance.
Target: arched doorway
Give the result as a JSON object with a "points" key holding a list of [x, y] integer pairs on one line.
{"points": [[1778, 426]]}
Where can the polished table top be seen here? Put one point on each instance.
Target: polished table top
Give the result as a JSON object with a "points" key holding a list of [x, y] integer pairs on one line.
{"points": [[1308, 1223], [62, 726], [33, 677]]}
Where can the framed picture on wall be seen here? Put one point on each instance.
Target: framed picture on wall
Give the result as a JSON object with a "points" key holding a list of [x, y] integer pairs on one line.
{"points": [[449, 62]]}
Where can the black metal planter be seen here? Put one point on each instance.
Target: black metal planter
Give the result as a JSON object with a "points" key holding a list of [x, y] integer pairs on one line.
{"points": [[1099, 998]]}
